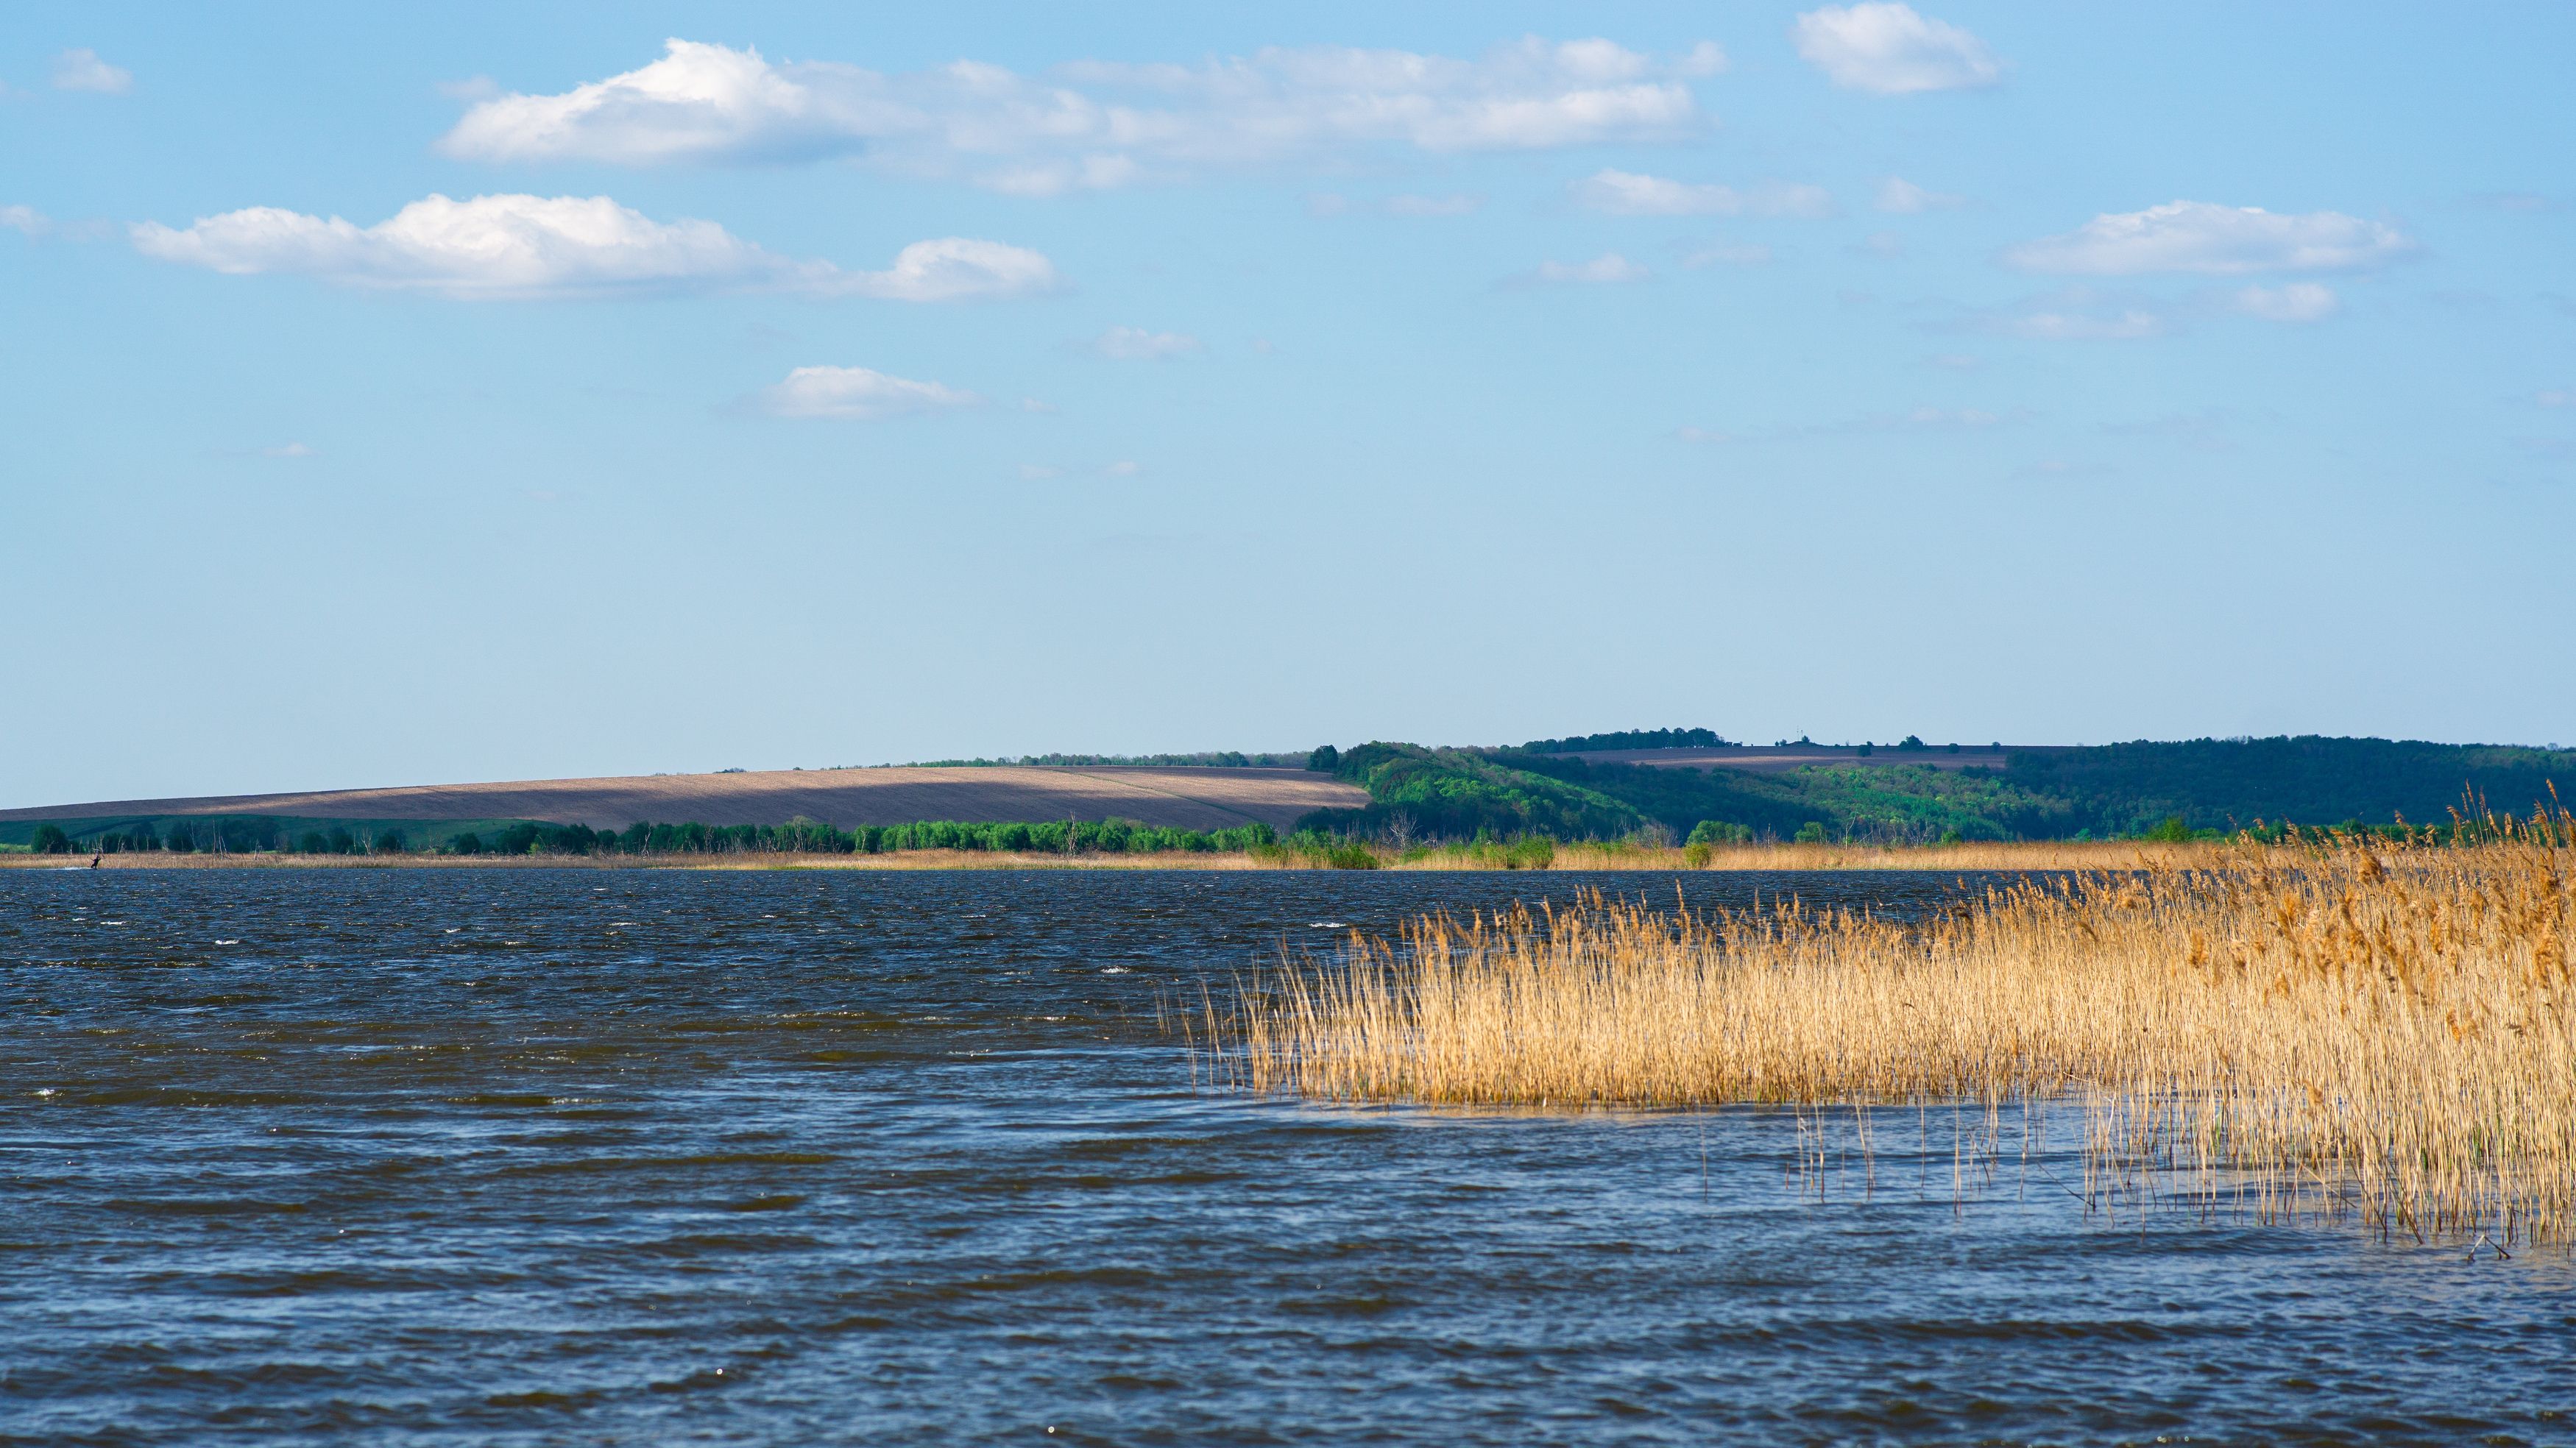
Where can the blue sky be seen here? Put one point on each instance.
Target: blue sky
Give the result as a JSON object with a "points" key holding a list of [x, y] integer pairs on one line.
{"points": [[509, 393]]}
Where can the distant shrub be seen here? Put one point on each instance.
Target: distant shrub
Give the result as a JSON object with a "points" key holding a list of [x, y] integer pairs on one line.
{"points": [[50, 840]]}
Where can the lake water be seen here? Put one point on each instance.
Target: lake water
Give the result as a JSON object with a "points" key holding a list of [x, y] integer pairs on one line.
{"points": [[573, 1157]]}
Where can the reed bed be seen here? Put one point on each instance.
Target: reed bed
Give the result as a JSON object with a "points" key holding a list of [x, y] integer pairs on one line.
{"points": [[2335, 1024], [1789, 855]]}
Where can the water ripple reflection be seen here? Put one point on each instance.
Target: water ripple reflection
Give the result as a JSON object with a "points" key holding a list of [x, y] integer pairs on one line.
{"points": [[532, 1157]]}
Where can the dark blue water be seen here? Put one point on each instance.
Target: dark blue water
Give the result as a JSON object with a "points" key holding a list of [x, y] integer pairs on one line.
{"points": [[539, 1157]]}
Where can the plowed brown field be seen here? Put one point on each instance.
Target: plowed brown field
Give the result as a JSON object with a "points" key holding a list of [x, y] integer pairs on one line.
{"points": [[1202, 799]]}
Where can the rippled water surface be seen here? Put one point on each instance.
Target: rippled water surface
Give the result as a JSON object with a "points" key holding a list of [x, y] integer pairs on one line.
{"points": [[570, 1157]]}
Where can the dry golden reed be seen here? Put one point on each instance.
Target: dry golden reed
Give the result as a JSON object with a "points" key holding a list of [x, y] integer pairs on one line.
{"points": [[2385, 1029]]}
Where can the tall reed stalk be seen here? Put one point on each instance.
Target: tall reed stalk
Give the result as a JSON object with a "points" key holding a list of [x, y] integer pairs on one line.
{"points": [[2383, 1029]]}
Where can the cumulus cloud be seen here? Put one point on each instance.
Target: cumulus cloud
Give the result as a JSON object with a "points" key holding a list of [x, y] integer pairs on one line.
{"points": [[1094, 125], [1889, 49], [1903, 198], [2295, 302], [2199, 236], [1135, 344], [530, 246], [954, 269], [1608, 267], [1627, 193], [857, 394], [82, 70]]}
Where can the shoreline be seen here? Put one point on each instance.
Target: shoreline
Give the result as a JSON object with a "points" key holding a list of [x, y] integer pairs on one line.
{"points": [[2022, 856]]}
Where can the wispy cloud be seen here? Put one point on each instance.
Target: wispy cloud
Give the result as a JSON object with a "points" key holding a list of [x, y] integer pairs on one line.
{"points": [[1327, 203], [516, 246], [1628, 193], [1891, 50], [1607, 268], [2199, 236], [82, 70], [2072, 314], [2295, 302], [1458, 204], [857, 394], [1097, 124], [1135, 344], [1900, 197], [26, 220], [1910, 420], [1696, 255]]}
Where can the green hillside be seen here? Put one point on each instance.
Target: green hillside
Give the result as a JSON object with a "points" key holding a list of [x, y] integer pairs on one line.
{"points": [[2101, 792]]}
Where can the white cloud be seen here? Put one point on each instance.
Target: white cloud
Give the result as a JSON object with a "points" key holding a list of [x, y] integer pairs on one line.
{"points": [[290, 450], [858, 394], [1883, 243], [953, 269], [2199, 236], [1123, 468], [1702, 434], [1039, 472], [2557, 397], [528, 246], [2295, 302], [1954, 362], [1608, 267], [1903, 198], [1627, 193], [1094, 125], [82, 70], [1891, 50], [1135, 344], [26, 219]]}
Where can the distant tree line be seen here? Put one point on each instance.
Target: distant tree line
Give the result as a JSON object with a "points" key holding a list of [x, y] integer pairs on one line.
{"points": [[244, 835], [530, 837], [805, 837], [1631, 739]]}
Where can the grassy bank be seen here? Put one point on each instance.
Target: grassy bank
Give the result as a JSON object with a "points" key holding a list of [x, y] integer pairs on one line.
{"points": [[2343, 1025]]}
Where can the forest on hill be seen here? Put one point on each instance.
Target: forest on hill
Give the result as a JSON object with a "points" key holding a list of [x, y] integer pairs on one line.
{"points": [[2104, 792]]}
